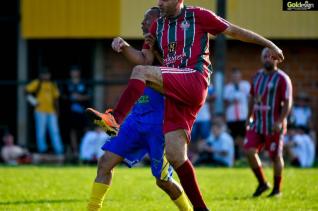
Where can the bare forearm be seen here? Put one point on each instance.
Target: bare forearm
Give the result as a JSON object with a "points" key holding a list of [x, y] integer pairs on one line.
{"points": [[285, 110], [143, 57], [134, 56], [246, 35]]}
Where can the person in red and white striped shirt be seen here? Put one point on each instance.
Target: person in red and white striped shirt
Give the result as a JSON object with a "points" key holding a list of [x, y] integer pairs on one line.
{"points": [[181, 35], [269, 106]]}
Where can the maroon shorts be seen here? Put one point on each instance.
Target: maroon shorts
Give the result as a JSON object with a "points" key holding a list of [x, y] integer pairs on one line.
{"points": [[273, 143], [185, 91]]}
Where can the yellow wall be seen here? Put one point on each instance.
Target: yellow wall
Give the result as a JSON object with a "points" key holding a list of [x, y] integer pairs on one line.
{"points": [[267, 18], [70, 18], [109, 18]]}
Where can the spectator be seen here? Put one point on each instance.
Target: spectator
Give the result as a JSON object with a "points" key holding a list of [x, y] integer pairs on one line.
{"points": [[218, 148], [13, 154], [77, 97], [301, 114], [45, 101], [236, 95], [92, 142], [299, 147]]}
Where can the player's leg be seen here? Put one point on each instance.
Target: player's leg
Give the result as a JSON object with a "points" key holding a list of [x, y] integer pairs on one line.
{"points": [[252, 147], [177, 195], [176, 152], [103, 179], [123, 146], [275, 152], [160, 167], [185, 91], [138, 79]]}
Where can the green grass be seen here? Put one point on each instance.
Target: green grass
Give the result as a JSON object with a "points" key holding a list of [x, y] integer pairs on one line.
{"points": [[67, 188]]}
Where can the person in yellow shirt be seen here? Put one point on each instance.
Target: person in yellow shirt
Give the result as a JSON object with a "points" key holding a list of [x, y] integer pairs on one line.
{"points": [[45, 98]]}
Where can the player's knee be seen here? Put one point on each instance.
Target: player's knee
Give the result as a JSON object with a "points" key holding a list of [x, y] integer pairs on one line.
{"points": [[174, 158], [162, 184], [103, 164], [277, 159], [139, 72], [250, 152]]}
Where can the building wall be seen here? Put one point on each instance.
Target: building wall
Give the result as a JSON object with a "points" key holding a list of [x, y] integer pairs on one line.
{"points": [[268, 19], [301, 64], [108, 18]]}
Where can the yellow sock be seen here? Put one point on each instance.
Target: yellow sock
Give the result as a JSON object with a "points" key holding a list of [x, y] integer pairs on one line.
{"points": [[97, 196], [183, 203]]}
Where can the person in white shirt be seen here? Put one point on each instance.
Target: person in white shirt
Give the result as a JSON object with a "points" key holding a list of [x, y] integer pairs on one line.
{"points": [[300, 148], [301, 114], [236, 95], [218, 148], [91, 144], [11, 153]]}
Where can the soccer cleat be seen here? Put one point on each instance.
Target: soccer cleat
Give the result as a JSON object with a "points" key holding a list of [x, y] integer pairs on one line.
{"points": [[104, 120], [261, 189], [275, 194]]}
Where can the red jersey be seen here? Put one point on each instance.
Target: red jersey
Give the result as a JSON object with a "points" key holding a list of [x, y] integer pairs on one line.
{"points": [[269, 91], [183, 41]]}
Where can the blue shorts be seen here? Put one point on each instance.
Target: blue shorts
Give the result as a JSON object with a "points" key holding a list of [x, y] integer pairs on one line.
{"points": [[135, 140]]}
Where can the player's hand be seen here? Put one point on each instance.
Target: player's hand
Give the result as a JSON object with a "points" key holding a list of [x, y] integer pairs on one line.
{"points": [[150, 40], [277, 54], [277, 127], [118, 44]]}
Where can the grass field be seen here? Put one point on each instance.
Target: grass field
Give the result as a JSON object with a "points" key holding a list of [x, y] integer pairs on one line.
{"points": [[67, 188]]}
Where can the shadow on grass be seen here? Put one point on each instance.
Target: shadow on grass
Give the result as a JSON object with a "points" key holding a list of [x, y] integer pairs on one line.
{"points": [[42, 201]]}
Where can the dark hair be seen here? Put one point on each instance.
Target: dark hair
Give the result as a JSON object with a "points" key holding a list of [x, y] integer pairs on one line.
{"points": [[155, 10]]}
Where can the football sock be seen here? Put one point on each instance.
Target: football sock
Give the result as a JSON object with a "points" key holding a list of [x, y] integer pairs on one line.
{"points": [[127, 100], [97, 196], [259, 173], [182, 202], [277, 183], [190, 185]]}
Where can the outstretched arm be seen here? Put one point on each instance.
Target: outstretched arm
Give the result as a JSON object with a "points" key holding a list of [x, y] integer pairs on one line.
{"points": [[248, 36], [143, 57]]}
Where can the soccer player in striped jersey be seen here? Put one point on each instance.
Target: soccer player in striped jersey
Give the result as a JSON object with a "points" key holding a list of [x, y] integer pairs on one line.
{"points": [[270, 103], [182, 37], [141, 133]]}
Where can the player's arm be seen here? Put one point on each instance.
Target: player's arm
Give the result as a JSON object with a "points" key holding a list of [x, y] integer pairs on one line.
{"points": [[285, 110], [215, 25], [143, 57], [246, 35], [250, 110], [287, 104]]}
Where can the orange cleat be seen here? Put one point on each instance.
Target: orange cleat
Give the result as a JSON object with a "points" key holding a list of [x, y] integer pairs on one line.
{"points": [[104, 120]]}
